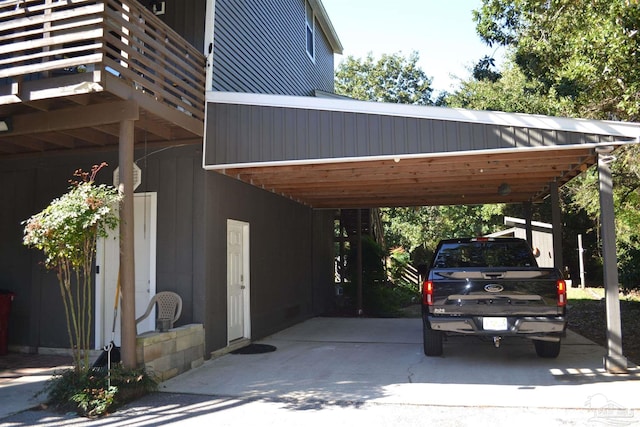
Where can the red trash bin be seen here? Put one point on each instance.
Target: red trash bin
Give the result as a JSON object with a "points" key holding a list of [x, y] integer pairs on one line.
{"points": [[5, 307]]}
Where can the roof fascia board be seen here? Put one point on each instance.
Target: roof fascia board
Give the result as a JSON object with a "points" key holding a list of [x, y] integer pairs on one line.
{"points": [[502, 233], [398, 158], [626, 130], [509, 220]]}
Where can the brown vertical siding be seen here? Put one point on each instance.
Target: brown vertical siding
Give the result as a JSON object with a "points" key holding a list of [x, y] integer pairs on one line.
{"points": [[291, 267], [239, 134], [187, 18]]}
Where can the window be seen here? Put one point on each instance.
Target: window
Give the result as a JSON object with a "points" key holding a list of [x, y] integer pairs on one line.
{"points": [[484, 254], [310, 27]]}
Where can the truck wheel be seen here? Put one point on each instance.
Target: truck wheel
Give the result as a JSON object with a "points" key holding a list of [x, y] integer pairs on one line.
{"points": [[432, 341], [547, 349]]}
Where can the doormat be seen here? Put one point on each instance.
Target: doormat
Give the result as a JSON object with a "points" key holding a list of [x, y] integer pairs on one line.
{"points": [[255, 349]]}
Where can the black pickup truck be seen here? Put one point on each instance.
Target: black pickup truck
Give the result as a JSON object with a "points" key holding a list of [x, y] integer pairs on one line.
{"points": [[492, 287]]}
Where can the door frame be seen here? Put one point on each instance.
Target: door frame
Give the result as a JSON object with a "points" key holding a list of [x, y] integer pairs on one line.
{"points": [[104, 309], [246, 311]]}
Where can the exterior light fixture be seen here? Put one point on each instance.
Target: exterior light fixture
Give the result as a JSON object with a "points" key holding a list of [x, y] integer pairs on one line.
{"points": [[5, 124], [158, 7], [504, 189]]}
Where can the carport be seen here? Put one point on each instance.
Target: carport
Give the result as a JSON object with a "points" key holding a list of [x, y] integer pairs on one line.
{"points": [[339, 153]]}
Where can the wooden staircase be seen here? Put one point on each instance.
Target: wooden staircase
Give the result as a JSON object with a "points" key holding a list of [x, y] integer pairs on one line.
{"points": [[370, 224], [352, 223]]}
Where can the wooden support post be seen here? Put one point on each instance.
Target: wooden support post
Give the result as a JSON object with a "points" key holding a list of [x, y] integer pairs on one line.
{"points": [[359, 272], [556, 220], [127, 262], [341, 230], [528, 228]]}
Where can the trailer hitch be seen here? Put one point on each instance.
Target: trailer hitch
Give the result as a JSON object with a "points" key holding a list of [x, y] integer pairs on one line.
{"points": [[496, 341]]}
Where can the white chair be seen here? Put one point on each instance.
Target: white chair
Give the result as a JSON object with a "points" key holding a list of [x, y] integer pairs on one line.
{"points": [[169, 309]]}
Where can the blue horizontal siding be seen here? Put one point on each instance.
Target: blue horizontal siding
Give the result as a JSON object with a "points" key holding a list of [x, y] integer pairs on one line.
{"points": [[260, 48]]}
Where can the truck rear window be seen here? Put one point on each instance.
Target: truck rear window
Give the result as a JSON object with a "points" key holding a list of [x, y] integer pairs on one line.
{"points": [[484, 254]]}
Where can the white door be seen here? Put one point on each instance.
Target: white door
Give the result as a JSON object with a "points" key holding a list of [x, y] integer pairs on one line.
{"points": [[238, 309], [108, 263]]}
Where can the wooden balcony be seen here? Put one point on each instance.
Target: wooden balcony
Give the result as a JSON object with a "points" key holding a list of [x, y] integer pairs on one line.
{"points": [[72, 70]]}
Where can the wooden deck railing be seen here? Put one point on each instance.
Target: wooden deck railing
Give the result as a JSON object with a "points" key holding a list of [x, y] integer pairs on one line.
{"points": [[42, 39]]}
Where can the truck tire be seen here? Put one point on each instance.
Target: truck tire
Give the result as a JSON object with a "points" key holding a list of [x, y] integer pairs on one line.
{"points": [[432, 341], [547, 349]]}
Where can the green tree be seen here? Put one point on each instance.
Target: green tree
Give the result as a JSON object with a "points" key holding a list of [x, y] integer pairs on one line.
{"points": [[419, 229], [583, 49], [512, 92], [397, 79], [485, 69], [66, 231], [391, 78], [576, 58]]}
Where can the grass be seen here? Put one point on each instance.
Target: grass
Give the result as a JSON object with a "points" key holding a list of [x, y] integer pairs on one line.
{"points": [[587, 317], [585, 293]]}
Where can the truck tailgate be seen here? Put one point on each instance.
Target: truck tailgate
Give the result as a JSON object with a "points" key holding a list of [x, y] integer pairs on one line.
{"points": [[489, 291]]}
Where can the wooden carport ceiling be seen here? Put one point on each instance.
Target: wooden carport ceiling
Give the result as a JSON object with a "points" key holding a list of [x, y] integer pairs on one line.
{"points": [[351, 154], [440, 180]]}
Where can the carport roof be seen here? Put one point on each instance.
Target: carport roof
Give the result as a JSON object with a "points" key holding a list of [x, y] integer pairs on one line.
{"points": [[341, 153]]}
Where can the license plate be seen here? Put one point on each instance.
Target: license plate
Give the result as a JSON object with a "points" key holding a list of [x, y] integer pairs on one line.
{"points": [[494, 323]]}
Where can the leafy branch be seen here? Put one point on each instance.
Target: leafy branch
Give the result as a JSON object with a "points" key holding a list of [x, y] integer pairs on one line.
{"points": [[67, 231]]}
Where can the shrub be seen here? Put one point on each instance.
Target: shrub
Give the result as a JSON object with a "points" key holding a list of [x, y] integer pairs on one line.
{"points": [[372, 261], [93, 393], [66, 231], [380, 297]]}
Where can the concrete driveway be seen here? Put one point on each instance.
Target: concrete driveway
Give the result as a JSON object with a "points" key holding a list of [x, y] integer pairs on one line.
{"points": [[336, 360], [350, 371]]}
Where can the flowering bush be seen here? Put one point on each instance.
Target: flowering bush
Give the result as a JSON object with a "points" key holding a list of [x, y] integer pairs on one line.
{"points": [[67, 231]]}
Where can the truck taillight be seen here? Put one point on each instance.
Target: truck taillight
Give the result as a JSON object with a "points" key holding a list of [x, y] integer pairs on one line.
{"points": [[561, 287], [427, 293]]}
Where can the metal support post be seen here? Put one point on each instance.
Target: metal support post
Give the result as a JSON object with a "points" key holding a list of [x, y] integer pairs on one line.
{"points": [[614, 361], [581, 260]]}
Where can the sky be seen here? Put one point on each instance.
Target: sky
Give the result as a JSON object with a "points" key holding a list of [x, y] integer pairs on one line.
{"points": [[442, 31]]}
